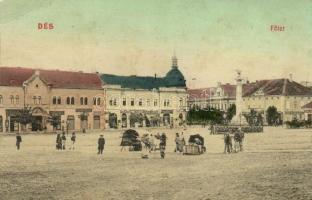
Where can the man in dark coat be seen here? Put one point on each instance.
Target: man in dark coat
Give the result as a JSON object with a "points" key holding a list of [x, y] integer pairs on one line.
{"points": [[63, 141], [101, 143], [73, 140], [18, 141], [58, 141], [227, 143], [162, 145]]}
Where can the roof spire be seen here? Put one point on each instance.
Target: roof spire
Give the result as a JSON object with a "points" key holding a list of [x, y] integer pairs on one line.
{"points": [[174, 61]]}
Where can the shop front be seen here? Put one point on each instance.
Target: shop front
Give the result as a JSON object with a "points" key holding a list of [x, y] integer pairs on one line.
{"points": [[12, 120], [84, 116]]}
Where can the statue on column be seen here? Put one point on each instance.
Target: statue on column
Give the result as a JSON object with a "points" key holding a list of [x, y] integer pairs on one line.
{"points": [[239, 119]]}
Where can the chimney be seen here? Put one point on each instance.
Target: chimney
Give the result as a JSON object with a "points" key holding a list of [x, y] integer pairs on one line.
{"points": [[290, 77], [155, 76]]}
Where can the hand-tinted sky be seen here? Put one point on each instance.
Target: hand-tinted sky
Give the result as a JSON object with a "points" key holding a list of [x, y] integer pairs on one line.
{"points": [[210, 38]]}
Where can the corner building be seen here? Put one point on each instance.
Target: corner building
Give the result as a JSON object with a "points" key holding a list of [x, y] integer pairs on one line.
{"points": [[57, 100], [145, 101]]}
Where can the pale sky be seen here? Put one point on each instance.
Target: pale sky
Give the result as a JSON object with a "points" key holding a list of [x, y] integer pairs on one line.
{"points": [[211, 38]]}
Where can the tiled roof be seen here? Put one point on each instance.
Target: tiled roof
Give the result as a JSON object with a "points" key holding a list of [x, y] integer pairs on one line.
{"points": [[307, 106], [16, 76], [264, 87], [229, 90], [276, 87], [200, 93]]}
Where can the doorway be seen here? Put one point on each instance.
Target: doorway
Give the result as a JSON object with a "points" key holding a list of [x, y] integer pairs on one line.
{"points": [[96, 122]]}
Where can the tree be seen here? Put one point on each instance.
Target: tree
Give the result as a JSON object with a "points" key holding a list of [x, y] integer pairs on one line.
{"points": [[254, 118], [24, 116], [272, 115], [212, 115], [54, 120], [231, 111]]}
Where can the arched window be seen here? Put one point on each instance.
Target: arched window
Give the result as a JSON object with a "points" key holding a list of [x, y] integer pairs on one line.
{"points": [[98, 101], [81, 100], [72, 101], [35, 99], [54, 100], [17, 99], [68, 100], [86, 101], [12, 99], [1, 99], [59, 101], [39, 99], [94, 101]]}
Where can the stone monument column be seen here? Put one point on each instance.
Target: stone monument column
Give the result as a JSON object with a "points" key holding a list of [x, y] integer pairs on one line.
{"points": [[239, 119]]}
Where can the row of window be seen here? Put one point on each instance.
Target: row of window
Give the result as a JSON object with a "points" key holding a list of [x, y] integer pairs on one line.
{"points": [[140, 102], [272, 98], [71, 100], [13, 99]]}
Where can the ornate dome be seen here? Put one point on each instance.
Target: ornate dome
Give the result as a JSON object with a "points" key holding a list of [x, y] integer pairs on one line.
{"points": [[174, 78]]}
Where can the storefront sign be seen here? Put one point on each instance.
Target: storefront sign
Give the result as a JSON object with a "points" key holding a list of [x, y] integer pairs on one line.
{"points": [[57, 113], [12, 112], [97, 113], [83, 110], [167, 111]]}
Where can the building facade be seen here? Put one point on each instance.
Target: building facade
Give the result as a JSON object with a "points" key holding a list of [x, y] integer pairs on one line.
{"points": [[220, 97], [285, 94], [57, 100], [137, 101]]}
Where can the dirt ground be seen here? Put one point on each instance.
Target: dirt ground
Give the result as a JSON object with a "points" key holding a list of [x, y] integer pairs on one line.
{"points": [[276, 164]]}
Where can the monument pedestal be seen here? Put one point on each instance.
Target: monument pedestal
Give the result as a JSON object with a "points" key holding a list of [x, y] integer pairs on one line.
{"points": [[239, 120]]}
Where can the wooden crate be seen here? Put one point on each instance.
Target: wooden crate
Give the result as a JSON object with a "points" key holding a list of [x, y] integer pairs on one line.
{"points": [[191, 150]]}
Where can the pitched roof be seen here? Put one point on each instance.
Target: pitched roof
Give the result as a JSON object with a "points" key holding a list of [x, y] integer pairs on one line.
{"points": [[200, 93], [276, 87], [139, 82], [135, 82], [16, 76], [229, 90], [307, 106]]}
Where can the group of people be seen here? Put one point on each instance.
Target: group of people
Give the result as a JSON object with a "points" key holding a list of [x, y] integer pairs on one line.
{"points": [[233, 135], [151, 143], [61, 141]]}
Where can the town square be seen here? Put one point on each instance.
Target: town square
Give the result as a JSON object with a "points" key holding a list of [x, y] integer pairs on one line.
{"points": [[143, 99]]}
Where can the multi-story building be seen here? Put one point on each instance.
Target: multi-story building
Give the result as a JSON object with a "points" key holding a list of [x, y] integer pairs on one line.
{"points": [[139, 101], [286, 95], [220, 97], [56, 99]]}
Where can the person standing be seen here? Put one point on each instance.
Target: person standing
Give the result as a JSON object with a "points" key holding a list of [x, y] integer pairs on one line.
{"points": [[227, 143], [63, 141], [18, 141], [73, 140], [237, 140], [177, 141], [58, 141], [162, 145], [101, 143], [242, 136]]}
